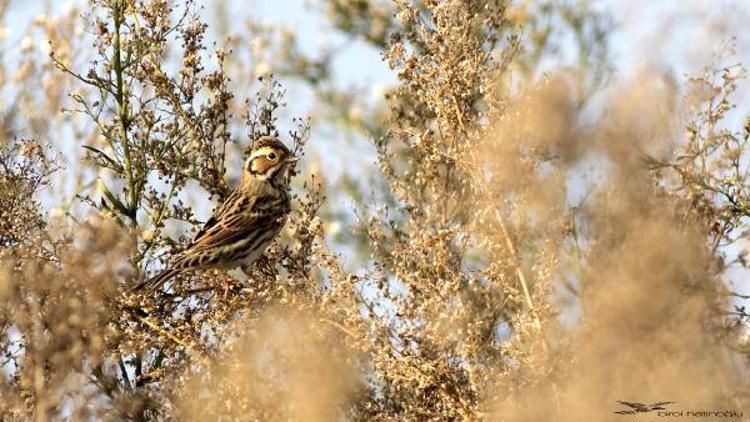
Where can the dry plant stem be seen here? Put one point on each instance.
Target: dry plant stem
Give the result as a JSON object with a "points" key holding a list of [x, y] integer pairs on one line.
{"points": [[340, 327], [200, 354], [517, 265], [123, 103]]}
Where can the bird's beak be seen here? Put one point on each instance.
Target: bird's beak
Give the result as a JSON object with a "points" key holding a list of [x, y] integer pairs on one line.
{"points": [[291, 159]]}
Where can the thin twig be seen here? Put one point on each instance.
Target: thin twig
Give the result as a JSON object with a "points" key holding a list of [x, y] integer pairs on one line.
{"points": [[516, 262], [171, 336]]}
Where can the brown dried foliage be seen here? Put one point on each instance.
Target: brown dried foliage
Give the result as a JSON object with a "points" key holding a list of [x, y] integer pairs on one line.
{"points": [[475, 257]]}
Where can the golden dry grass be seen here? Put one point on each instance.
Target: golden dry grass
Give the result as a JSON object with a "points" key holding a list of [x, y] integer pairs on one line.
{"points": [[459, 271]]}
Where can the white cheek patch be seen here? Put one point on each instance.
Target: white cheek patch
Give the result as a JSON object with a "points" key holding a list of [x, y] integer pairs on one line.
{"points": [[262, 176]]}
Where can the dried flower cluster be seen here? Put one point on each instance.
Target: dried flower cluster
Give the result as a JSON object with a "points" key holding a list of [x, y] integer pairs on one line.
{"points": [[482, 275]]}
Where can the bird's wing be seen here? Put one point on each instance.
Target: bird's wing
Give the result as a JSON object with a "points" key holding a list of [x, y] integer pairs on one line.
{"points": [[633, 405], [238, 218], [222, 209]]}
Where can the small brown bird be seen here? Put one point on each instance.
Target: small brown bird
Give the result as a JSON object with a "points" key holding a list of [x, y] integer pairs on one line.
{"points": [[244, 225]]}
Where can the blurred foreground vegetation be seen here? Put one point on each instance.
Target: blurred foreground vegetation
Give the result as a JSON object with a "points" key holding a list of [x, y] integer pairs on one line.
{"points": [[537, 242]]}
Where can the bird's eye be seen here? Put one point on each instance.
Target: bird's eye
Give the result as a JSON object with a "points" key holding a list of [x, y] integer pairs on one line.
{"points": [[272, 156]]}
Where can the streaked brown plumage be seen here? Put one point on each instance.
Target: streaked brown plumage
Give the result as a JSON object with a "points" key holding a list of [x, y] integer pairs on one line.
{"points": [[246, 222]]}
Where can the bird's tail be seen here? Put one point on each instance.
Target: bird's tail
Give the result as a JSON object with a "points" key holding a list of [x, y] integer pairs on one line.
{"points": [[154, 282]]}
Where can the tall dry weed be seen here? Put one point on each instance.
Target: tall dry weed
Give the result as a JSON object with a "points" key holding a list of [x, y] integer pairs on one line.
{"points": [[534, 246], [647, 290]]}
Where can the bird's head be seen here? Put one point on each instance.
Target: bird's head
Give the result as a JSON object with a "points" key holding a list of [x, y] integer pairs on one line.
{"points": [[269, 161]]}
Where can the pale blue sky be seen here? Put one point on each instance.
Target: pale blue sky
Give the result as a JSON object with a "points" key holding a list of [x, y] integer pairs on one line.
{"points": [[674, 35], [678, 34]]}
